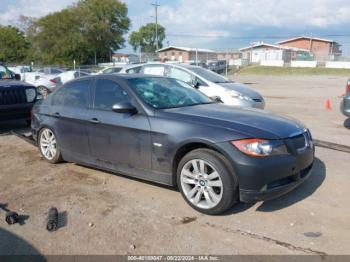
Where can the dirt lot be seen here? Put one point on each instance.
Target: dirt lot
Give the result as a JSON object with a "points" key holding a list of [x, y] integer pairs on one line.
{"points": [[110, 214], [304, 98]]}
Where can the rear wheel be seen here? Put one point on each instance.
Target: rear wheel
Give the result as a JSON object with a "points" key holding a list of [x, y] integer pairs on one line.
{"points": [[207, 181], [48, 146]]}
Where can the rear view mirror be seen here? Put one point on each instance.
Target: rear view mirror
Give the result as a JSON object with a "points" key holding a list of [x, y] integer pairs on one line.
{"points": [[124, 107], [195, 83]]}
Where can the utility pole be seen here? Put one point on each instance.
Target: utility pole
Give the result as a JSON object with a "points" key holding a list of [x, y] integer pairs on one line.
{"points": [[310, 45], [156, 5]]}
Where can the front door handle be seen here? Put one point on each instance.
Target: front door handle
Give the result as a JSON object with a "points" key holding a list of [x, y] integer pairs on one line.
{"points": [[94, 121], [57, 115]]}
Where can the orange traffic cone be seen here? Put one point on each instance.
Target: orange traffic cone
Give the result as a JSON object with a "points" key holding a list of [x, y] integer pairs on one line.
{"points": [[328, 105]]}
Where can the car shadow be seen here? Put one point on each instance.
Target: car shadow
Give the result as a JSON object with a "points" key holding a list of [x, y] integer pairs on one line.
{"points": [[12, 244], [347, 123], [8, 126], [317, 176]]}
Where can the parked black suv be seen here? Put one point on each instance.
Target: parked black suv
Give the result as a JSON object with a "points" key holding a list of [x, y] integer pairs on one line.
{"points": [[16, 98]]}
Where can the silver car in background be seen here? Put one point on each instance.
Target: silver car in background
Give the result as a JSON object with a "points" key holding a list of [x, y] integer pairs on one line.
{"points": [[210, 83], [345, 104]]}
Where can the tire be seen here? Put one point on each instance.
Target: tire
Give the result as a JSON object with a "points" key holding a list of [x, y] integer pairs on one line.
{"points": [[48, 146], [43, 91], [212, 191]]}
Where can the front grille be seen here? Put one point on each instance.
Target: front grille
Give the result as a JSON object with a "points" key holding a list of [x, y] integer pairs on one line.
{"points": [[12, 96], [299, 141]]}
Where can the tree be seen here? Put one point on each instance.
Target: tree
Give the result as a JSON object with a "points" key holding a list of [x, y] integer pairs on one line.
{"points": [[104, 24], [58, 39], [13, 45], [86, 32], [145, 38]]}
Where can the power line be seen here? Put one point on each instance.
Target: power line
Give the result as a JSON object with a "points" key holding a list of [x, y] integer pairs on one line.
{"points": [[251, 37]]}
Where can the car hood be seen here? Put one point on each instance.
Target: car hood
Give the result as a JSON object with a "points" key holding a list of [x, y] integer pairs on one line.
{"points": [[13, 83], [243, 89], [246, 121]]}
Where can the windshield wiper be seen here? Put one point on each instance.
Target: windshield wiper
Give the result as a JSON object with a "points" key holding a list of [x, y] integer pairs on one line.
{"points": [[205, 103]]}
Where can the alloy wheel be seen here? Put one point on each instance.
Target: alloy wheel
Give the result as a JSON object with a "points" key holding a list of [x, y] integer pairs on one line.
{"points": [[201, 184], [48, 144]]}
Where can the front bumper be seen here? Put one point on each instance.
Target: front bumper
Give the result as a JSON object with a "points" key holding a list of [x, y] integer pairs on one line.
{"points": [[15, 112], [263, 178], [279, 188], [345, 106]]}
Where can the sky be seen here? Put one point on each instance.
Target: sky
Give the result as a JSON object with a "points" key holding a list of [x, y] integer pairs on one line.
{"points": [[219, 24]]}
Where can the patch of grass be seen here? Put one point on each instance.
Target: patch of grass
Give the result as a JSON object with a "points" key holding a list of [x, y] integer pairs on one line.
{"points": [[270, 70]]}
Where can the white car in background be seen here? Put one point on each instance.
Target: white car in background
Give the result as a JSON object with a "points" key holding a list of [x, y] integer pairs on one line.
{"points": [[209, 83], [45, 79], [110, 70], [21, 70], [70, 75]]}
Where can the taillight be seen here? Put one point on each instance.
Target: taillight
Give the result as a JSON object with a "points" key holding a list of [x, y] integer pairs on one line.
{"points": [[53, 81], [348, 87]]}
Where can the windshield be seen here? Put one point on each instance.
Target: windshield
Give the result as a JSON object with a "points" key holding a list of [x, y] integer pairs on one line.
{"points": [[209, 75], [161, 93], [5, 73]]}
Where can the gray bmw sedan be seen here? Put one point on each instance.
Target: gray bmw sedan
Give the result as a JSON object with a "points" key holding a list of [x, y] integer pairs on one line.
{"points": [[162, 130]]}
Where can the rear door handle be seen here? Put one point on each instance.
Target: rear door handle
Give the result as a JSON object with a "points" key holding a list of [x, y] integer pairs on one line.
{"points": [[57, 115], [94, 121]]}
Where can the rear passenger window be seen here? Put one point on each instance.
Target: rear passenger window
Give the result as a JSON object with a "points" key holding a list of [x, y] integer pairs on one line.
{"points": [[75, 94], [108, 93]]}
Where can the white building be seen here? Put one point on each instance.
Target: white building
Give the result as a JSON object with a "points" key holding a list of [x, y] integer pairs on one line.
{"points": [[261, 52]]}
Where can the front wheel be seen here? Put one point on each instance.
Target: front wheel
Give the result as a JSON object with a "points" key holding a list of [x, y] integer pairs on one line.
{"points": [[207, 181], [48, 146]]}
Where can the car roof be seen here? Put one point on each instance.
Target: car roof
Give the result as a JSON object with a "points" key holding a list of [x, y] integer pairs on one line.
{"points": [[114, 66], [122, 76], [187, 66]]}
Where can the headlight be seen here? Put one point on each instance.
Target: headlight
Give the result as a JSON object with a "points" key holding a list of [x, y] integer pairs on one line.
{"points": [[31, 94], [260, 147], [237, 95], [244, 97]]}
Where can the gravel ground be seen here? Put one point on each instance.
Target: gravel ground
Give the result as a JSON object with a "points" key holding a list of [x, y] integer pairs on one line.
{"points": [[304, 98], [102, 213]]}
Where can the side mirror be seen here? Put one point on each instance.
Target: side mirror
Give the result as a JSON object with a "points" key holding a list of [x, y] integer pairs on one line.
{"points": [[195, 83], [124, 107], [17, 76]]}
